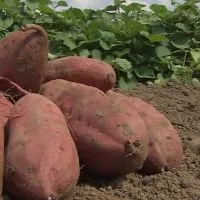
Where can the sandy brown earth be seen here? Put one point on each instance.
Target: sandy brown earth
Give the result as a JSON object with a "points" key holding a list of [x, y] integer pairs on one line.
{"points": [[181, 105]]}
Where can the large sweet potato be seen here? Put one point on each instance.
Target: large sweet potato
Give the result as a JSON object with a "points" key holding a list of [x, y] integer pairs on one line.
{"points": [[110, 140], [88, 71], [23, 57], [5, 107], [41, 160], [165, 147]]}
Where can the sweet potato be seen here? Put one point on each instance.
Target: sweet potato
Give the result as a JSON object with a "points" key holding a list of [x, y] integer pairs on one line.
{"points": [[5, 107], [110, 140], [165, 146], [23, 57], [88, 71], [41, 160]]}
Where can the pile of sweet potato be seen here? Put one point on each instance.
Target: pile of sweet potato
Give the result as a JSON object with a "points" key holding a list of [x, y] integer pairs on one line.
{"points": [[63, 113]]}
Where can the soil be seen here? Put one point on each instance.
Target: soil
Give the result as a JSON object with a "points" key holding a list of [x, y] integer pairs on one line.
{"points": [[181, 105]]}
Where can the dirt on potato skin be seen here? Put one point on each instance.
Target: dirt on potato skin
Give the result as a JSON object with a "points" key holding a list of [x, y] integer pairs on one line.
{"points": [[181, 105]]}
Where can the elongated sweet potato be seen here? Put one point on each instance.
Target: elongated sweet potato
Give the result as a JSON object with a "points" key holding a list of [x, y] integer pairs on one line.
{"points": [[41, 160], [5, 107], [23, 57], [110, 140], [165, 147], [88, 71]]}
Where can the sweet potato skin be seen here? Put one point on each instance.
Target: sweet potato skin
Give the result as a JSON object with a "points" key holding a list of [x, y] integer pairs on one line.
{"points": [[165, 146], [5, 107], [23, 57], [110, 140], [41, 159], [88, 71]]}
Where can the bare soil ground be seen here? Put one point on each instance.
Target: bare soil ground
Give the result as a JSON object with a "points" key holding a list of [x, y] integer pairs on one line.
{"points": [[181, 105]]}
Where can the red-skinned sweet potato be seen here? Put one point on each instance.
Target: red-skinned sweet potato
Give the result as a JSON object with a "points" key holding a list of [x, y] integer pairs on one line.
{"points": [[23, 57], [165, 146], [110, 140], [88, 71], [41, 160], [5, 107]]}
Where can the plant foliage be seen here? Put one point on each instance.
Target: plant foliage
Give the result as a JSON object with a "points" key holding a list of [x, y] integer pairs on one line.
{"points": [[142, 45]]}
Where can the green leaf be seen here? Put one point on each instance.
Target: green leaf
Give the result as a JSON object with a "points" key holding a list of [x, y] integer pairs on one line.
{"points": [[122, 64], [51, 56], [84, 53], [181, 41], [106, 16], [27, 21], [96, 54], [160, 79], [162, 51], [104, 45], [107, 36], [129, 75], [44, 19], [151, 20], [144, 72], [121, 53], [62, 3], [145, 33], [160, 10], [157, 38], [82, 43], [76, 13], [182, 73], [184, 27], [195, 41], [195, 55], [180, 45], [6, 23], [81, 37], [126, 85], [133, 27], [93, 29], [111, 8], [132, 7], [70, 43], [33, 6], [158, 29], [109, 59]]}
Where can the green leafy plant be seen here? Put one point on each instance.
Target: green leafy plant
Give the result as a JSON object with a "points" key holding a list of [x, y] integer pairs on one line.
{"points": [[153, 45]]}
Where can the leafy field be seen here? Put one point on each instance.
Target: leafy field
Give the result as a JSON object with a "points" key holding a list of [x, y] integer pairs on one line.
{"points": [[141, 45]]}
